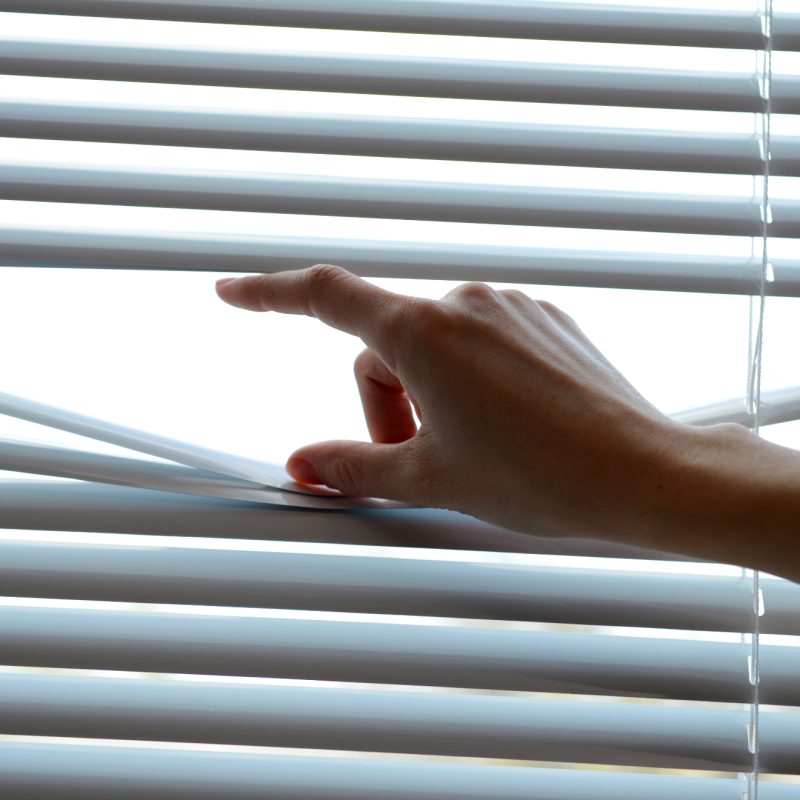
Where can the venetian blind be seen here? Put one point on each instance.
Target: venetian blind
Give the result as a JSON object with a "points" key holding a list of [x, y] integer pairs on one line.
{"points": [[186, 647]]}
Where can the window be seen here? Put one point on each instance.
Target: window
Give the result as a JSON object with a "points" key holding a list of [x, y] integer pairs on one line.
{"points": [[165, 646]]}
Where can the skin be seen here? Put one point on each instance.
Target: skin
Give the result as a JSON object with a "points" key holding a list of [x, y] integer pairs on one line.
{"points": [[526, 425]]}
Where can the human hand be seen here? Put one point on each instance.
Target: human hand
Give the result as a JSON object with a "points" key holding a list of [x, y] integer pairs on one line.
{"points": [[523, 422]]}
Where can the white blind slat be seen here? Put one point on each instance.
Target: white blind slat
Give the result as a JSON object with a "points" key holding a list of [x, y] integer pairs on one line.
{"points": [[385, 585], [421, 76], [109, 120], [543, 19], [56, 771], [395, 199], [786, 94], [402, 653], [778, 405], [63, 462], [78, 506], [397, 721], [29, 242]]}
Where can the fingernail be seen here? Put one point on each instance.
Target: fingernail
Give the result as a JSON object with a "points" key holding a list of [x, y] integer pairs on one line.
{"points": [[302, 471], [223, 281]]}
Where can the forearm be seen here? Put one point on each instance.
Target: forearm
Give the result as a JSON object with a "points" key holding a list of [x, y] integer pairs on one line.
{"points": [[722, 494]]}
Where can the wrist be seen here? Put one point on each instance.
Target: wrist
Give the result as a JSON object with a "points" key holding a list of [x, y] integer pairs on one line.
{"points": [[720, 493]]}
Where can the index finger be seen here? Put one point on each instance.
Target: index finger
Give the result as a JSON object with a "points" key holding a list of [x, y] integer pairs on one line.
{"points": [[327, 292]]}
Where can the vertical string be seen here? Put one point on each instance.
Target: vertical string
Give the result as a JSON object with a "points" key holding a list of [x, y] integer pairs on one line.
{"points": [[757, 309]]}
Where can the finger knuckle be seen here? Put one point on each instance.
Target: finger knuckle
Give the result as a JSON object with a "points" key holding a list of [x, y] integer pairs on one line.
{"points": [[347, 475], [321, 277], [568, 321], [363, 362], [555, 313], [474, 292], [370, 369], [516, 296], [259, 291], [549, 308]]}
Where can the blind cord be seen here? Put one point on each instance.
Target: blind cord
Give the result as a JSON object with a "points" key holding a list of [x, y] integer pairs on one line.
{"points": [[757, 315], [755, 370]]}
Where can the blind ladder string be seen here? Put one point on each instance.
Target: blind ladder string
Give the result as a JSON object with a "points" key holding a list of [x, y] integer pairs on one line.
{"points": [[757, 314]]}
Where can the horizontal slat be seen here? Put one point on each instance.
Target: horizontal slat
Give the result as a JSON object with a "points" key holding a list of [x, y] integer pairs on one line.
{"points": [[46, 771], [535, 19], [394, 652], [134, 441], [40, 244], [785, 217], [77, 506], [102, 468], [778, 405], [423, 723], [420, 76], [785, 155], [109, 120], [786, 30], [394, 199], [386, 585], [786, 94]]}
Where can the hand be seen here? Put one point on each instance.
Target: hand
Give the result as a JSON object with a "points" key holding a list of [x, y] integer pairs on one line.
{"points": [[523, 422]]}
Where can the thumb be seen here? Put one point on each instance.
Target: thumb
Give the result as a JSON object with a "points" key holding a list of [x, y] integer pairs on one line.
{"points": [[357, 469]]}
